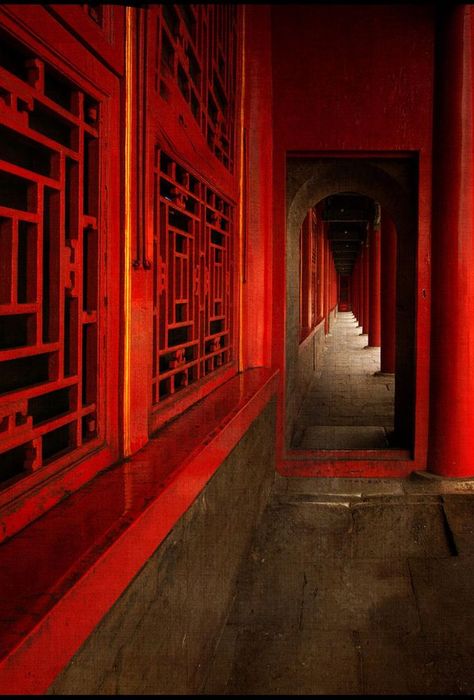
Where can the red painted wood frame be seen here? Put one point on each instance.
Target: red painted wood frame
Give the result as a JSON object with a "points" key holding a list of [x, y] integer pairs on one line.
{"points": [[193, 280], [196, 51], [59, 240], [192, 162]]}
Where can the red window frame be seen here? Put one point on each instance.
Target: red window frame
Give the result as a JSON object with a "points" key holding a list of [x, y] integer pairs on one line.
{"points": [[194, 283], [69, 293]]}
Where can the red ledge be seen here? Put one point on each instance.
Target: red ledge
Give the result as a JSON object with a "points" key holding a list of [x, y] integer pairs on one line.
{"points": [[61, 574]]}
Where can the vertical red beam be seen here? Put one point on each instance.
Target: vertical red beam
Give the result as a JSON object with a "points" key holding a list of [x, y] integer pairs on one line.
{"points": [[305, 269], [355, 289], [374, 287], [361, 288], [450, 447], [366, 287], [320, 273], [326, 284], [388, 294]]}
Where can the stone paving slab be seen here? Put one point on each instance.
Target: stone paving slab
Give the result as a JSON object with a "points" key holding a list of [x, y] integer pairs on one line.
{"points": [[352, 587], [270, 591], [360, 594], [343, 437], [394, 530], [345, 393], [301, 532], [414, 664], [318, 663], [445, 594], [459, 511], [339, 485]]}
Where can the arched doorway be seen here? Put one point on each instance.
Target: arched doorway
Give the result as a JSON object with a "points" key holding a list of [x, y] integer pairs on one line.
{"points": [[392, 182]]}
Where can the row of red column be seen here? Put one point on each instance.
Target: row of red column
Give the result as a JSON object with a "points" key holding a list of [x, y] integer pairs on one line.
{"points": [[451, 408], [318, 277], [373, 290], [330, 287]]}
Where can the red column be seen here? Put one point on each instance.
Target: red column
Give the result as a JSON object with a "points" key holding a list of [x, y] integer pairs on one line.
{"points": [[365, 329], [356, 284], [320, 263], [355, 310], [361, 288], [450, 447], [325, 282], [388, 294], [374, 287]]}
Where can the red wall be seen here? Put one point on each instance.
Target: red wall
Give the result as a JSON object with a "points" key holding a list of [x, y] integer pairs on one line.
{"points": [[257, 289], [354, 78]]}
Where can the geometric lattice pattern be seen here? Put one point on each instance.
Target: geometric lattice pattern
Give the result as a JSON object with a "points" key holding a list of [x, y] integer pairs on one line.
{"points": [[196, 50], [49, 269], [193, 279]]}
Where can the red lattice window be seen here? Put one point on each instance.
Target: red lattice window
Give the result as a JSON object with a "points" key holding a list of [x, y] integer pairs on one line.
{"points": [[193, 279], [50, 316], [196, 50]]}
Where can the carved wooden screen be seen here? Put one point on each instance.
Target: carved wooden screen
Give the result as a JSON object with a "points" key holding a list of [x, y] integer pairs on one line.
{"points": [[50, 241], [196, 50], [193, 279]]}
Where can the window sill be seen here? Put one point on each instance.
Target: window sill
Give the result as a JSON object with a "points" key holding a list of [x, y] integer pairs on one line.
{"points": [[61, 574]]}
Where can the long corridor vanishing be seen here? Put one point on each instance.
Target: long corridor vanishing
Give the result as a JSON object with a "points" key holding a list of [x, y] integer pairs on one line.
{"points": [[354, 586], [347, 405]]}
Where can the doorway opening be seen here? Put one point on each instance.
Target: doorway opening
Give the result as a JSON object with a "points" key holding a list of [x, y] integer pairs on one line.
{"points": [[350, 375], [347, 246]]}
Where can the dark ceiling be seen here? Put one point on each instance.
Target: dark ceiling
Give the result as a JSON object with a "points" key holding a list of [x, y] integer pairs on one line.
{"points": [[348, 215]]}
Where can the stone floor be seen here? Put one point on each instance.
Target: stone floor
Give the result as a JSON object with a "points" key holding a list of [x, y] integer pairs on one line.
{"points": [[355, 586], [347, 405]]}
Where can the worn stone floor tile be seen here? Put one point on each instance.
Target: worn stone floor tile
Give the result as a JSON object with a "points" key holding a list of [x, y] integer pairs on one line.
{"points": [[270, 591], [342, 486], [445, 594], [303, 531], [459, 509], [295, 664], [414, 664], [398, 529], [221, 666], [423, 482], [360, 594], [343, 437], [345, 392]]}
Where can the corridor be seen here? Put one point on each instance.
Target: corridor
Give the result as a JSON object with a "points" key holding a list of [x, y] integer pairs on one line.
{"points": [[347, 406], [236, 372], [354, 586]]}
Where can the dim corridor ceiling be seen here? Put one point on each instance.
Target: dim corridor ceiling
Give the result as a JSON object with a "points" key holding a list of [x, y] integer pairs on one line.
{"points": [[348, 215]]}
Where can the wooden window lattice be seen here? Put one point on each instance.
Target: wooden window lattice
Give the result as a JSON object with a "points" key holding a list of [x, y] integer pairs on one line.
{"points": [[196, 50], [49, 264], [193, 279]]}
